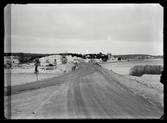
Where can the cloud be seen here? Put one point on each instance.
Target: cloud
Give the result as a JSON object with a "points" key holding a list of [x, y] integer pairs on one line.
{"points": [[85, 27], [53, 45], [122, 22]]}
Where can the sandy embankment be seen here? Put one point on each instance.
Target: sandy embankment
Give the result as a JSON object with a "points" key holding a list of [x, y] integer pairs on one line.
{"points": [[148, 86]]}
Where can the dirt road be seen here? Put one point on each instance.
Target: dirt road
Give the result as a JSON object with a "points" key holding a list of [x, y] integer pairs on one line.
{"points": [[88, 92]]}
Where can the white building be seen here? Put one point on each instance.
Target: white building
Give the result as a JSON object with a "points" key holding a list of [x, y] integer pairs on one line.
{"points": [[109, 55]]}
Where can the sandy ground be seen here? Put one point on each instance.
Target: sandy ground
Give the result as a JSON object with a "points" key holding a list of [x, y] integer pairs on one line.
{"points": [[88, 92], [143, 84], [25, 73]]}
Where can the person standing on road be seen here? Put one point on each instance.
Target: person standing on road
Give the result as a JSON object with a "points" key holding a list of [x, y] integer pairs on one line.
{"points": [[37, 63]]}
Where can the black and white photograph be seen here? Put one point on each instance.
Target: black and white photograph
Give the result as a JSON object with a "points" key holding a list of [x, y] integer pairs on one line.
{"points": [[84, 61]]}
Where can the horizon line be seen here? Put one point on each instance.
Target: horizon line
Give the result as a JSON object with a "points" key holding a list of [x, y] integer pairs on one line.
{"points": [[89, 53]]}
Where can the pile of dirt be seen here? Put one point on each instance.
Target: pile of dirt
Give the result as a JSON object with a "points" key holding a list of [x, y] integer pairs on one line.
{"points": [[53, 59], [66, 68], [57, 60], [74, 59]]}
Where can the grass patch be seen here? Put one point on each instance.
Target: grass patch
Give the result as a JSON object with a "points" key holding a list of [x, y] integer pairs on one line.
{"points": [[139, 70]]}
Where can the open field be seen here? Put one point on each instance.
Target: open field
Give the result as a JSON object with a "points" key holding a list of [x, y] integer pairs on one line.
{"points": [[21, 78], [148, 80], [123, 67]]}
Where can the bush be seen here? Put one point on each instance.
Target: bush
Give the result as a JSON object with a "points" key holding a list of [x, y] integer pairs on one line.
{"points": [[50, 65], [146, 69], [24, 58], [49, 68], [8, 65], [32, 58], [119, 59]]}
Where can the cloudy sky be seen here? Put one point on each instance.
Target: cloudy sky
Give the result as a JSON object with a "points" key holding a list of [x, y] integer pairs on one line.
{"points": [[87, 28]]}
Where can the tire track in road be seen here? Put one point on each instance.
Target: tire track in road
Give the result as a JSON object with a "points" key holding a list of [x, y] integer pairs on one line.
{"points": [[56, 106], [107, 98], [120, 97], [76, 106], [94, 108], [123, 97], [80, 105], [138, 104], [107, 101]]}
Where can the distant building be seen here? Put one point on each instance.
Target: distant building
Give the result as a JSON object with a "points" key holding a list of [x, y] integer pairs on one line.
{"points": [[109, 55], [87, 56]]}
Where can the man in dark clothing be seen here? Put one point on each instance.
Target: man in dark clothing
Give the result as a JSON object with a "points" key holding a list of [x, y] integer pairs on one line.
{"points": [[36, 69], [37, 63]]}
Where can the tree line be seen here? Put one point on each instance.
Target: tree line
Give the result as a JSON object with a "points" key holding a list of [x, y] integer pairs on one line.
{"points": [[29, 57]]}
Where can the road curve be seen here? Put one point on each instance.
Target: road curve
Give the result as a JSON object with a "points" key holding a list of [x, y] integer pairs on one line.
{"points": [[88, 92]]}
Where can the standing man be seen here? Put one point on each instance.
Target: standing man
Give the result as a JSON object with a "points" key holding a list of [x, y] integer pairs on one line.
{"points": [[37, 63]]}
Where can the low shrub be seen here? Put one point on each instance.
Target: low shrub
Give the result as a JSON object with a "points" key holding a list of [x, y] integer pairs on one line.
{"points": [[139, 70], [119, 59], [50, 65], [48, 68]]}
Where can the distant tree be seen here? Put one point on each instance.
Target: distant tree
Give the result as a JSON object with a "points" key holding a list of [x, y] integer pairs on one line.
{"points": [[33, 57], [106, 57], [119, 59], [21, 57], [5, 54], [25, 58], [84, 56], [80, 55], [104, 60], [100, 53], [92, 56]]}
